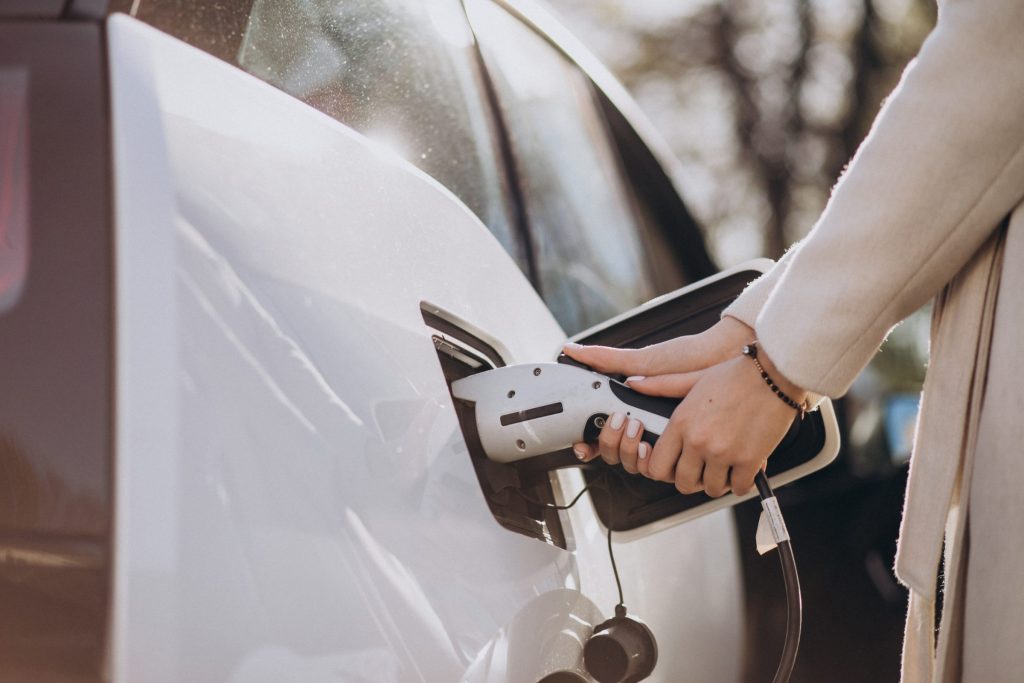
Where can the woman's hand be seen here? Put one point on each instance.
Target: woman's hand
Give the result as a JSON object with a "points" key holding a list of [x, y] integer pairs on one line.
{"points": [[670, 368], [724, 430]]}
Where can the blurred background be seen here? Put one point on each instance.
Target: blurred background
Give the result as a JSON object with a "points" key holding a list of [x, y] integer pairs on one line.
{"points": [[764, 102]]}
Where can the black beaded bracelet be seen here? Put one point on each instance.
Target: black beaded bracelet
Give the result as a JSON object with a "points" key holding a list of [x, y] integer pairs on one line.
{"points": [[751, 351]]}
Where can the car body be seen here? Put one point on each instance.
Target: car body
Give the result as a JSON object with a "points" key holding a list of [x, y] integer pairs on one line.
{"points": [[237, 231]]}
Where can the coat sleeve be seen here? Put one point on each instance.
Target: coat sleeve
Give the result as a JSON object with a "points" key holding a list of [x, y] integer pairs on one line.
{"points": [[941, 167], [749, 304]]}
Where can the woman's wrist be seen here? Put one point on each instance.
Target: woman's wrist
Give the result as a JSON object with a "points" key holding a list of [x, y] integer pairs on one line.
{"points": [[727, 337], [797, 393]]}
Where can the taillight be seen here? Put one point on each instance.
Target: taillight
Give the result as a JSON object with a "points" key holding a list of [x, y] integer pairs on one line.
{"points": [[14, 169]]}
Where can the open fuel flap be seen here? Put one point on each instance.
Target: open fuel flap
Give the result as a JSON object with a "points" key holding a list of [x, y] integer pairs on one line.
{"points": [[519, 492]]}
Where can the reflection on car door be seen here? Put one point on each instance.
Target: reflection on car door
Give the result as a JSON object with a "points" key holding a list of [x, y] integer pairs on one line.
{"points": [[293, 492]]}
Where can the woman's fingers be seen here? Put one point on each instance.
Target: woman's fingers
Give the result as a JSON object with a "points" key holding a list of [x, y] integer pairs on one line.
{"points": [[629, 446], [683, 354], [741, 479], [716, 479], [680, 356], [643, 455], [610, 438], [673, 385], [607, 359], [619, 440], [584, 451], [689, 473], [661, 465]]}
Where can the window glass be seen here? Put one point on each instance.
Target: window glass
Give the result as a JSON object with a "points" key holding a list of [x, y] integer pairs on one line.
{"points": [[402, 72], [214, 27], [590, 258]]}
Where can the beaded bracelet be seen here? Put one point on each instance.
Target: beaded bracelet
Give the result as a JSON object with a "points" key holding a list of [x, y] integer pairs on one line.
{"points": [[751, 351]]}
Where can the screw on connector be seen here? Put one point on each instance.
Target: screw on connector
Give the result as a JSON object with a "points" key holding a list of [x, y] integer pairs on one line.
{"points": [[520, 444], [536, 371], [599, 422], [511, 393], [596, 385]]}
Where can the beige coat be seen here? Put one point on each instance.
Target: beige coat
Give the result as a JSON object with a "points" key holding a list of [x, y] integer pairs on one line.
{"points": [[920, 214]]}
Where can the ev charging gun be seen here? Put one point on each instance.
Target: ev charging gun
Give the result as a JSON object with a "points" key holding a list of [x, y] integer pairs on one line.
{"points": [[525, 411], [531, 410]]}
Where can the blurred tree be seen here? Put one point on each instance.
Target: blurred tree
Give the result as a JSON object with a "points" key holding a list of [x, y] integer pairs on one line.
{"points": [[764, 101]]}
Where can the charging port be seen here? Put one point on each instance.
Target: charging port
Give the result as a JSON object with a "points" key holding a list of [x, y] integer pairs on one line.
{"points": [[517, 496]]}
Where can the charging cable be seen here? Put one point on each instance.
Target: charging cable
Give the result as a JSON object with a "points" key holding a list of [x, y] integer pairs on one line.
{"points": [[599, 483], [794, 607]]}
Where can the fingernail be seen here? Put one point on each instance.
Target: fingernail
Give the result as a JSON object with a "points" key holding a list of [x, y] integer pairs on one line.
{"points": [[635, 378], [579, 454], [643, 451], [617, 420], [572, 345], [633, 429]]}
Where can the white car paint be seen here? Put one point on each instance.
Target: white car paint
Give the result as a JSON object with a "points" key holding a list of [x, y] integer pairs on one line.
{"points": [[294, 500]]}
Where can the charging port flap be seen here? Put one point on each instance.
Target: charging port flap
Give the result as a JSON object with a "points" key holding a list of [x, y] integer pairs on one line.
{"points": [[628, 502]]}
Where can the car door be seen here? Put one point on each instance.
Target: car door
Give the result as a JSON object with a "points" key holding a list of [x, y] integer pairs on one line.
{"points": [[294, 492], [294, 497]]}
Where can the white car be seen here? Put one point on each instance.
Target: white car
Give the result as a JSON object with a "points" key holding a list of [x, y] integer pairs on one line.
{"points": [[246, 246]]}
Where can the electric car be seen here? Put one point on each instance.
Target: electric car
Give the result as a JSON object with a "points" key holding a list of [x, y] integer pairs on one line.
{"points": [[247, 245]]}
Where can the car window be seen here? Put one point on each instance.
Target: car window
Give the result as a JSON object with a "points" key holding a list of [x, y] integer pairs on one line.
{"points": [[405, 73], [586, 228]]}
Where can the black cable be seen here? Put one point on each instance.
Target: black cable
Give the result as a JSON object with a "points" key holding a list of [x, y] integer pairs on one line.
{"points": [[615, 568], [611, 552], [552, 506], [794, 603]]}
